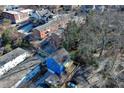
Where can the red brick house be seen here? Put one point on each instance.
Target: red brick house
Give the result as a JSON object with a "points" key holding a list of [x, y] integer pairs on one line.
{"points": [[52, 26]]}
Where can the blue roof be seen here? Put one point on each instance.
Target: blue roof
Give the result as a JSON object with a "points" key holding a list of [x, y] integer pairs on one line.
{"points": [[33, 77], [54, 66], [27, 28], [41, 80]]}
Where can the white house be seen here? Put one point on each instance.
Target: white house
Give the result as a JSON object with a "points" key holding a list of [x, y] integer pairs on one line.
{"points": [[17, 15], [11, 59]]}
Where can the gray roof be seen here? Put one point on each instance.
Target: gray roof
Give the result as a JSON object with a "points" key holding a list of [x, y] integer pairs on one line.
{"points": [[44, 12], [41, 14], [61, 56], [11, 55], [53, 21], [14, 75]]}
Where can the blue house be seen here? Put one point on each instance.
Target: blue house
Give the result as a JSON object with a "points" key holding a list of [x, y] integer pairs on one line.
{"points": [[55, 66], [49, 74], [57, 61]]}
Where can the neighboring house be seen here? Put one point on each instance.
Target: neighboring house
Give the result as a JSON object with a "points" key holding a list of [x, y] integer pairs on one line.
{"points": [[52, 26], [10, 7], [60, 64], [57, 61], [17, 15], [48, 45], [55, 39], [55, 66], [11, 59], [52, 43], [42, 16]]}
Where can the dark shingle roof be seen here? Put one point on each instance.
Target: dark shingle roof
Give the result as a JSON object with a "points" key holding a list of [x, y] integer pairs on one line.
{"points": [[50, 23]]}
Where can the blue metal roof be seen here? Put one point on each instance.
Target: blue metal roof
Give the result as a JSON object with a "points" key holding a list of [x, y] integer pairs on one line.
{"points": [[54, 66], [27, 28]]}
